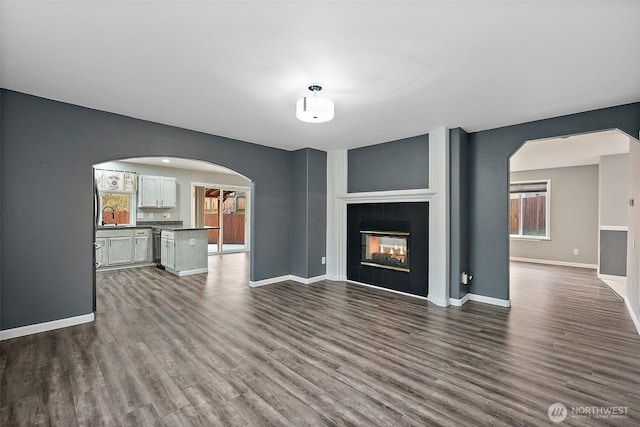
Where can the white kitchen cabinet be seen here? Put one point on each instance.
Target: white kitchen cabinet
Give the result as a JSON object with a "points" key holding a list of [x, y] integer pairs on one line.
{"points": [[184, 251], [120, 250], [156, 191], [123, 247], [101, 252], [168, 250], [142, 250]]}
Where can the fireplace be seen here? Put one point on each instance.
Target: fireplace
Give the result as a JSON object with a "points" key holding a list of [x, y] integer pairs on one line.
{"points": [[388, 245], [385, 249]]}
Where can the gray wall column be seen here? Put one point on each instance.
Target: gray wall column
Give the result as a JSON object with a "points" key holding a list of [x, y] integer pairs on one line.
{"points": [[309, 213], [459, 184]]}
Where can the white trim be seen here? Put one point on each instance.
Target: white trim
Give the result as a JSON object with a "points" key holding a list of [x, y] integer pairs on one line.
{"points": [[270, 281], [490, 300], [480, 298], [337, 170], [308, 281], [46, 326], [388, 290], [287, 277], [551, 262], [459, 302], [611, 277], [395, 196], [614, 228], [187, 272], [635, 320], [547, 211], [124, 266]]}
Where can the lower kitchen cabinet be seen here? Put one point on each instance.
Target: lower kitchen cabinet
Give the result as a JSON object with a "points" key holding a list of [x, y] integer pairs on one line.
{"points": [[142, 249], [119, 250], [184, 251], [123, 247]]}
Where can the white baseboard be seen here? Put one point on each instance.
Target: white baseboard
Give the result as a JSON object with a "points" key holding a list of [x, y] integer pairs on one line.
{"points": [[190, 272], [387, 290], [459, 302], [46, 326], [480, 298], [634, 318], [490, 300], [551, 262], [622, 279], [308, 281], [270, 281], [285, 278]]}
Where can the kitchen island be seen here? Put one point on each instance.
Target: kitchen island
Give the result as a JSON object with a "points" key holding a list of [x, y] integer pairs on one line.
{"points": [[184, 250]]}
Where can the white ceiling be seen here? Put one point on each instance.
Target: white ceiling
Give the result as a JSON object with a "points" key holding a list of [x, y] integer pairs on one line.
{"points": [[572, 150], [394, 69], [179, 163]]}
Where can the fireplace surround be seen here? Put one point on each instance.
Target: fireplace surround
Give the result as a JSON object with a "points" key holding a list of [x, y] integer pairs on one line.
{"points": [[387, 245]]}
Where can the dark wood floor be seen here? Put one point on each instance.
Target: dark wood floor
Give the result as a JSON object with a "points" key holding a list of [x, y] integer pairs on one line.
{"points": [[207, 350]]}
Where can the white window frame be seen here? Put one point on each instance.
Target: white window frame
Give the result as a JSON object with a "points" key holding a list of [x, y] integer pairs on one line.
{"points": [[547, 212], [133, 203], [247, 218]]}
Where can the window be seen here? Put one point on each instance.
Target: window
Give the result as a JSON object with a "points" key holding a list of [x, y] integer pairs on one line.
{"points": [[529, 209], [117, 208]]}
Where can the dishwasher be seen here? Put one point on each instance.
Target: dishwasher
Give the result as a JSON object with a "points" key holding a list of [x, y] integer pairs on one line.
{"points": [[157, 245]]}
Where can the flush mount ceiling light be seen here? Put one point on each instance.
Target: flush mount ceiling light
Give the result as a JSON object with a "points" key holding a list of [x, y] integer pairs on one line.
{"points": [[166, 160], [313, 109]]}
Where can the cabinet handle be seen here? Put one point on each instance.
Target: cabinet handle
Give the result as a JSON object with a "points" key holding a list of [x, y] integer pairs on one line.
{"points": [[97, 245], [98, 264]]}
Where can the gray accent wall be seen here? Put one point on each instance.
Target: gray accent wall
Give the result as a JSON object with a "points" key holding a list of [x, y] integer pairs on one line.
{"points": [[489, 153], [459, 201], [309, 211], [613, 252], [397, 165], [574, 216], [48, 149]]}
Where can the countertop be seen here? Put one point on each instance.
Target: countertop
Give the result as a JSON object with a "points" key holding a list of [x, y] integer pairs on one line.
{"points": [[170, 227]]}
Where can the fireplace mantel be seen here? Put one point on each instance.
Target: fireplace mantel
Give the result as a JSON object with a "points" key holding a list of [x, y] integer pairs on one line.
{"points": [[437, 195]]}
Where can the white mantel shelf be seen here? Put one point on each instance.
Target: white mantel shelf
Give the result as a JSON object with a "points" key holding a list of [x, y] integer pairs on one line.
{"points": [[437, 195]]}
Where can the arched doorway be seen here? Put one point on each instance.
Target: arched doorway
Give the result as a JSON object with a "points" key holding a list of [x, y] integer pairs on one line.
{"points": [[568, 206], [125, 188]]}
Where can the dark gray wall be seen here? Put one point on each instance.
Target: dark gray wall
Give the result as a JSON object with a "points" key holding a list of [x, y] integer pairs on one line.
{"points": [[489, 153], [309, 211], [459, 208], [395, 165], [613, 252], [48, 149]]}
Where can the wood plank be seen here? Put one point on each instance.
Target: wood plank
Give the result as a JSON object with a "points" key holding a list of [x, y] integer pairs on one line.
{"points": [[207, 350]]}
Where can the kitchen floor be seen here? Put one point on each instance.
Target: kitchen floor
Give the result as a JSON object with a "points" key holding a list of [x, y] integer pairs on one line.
{"points": [[207, 350]]}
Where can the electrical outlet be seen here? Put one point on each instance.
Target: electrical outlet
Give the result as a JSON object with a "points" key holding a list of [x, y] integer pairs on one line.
{"points": [[324, 260], [576, 252], [150, 214], [140, 215], [168, 215], [192, 242]]}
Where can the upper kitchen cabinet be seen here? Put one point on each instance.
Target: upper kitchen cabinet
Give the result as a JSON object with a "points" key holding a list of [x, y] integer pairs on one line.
{"points": [[156, 191]]}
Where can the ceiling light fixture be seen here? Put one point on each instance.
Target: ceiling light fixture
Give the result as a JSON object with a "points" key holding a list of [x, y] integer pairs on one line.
{"points": [[313, 109], [165, 160]]}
